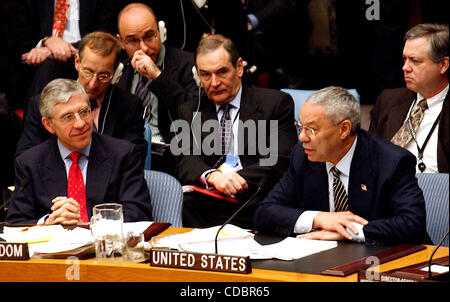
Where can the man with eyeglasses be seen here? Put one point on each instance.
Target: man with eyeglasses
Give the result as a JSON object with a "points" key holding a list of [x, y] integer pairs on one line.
{"points": [[115, 112], [344, 183], [77, 168], [160, 75]]}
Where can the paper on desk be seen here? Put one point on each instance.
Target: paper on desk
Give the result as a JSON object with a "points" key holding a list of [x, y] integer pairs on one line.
{"points": [[235, 241], [66, 241], [33, 234]]}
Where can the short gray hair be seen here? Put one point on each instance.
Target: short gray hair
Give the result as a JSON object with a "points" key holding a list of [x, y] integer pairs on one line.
{"points": [[438, 39], [59, 91], [339, 105]]}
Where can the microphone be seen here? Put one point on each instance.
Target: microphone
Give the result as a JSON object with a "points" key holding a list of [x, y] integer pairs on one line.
{"points": [[23, 184], [432, 254], [261, 184]]}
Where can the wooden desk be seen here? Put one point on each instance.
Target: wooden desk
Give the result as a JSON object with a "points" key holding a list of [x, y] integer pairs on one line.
{"points": [[62, 270]]}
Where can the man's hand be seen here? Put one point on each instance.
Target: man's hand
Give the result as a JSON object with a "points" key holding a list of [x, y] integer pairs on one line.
{"points": [[60, 49], [37, 55], [322, 235], [338, 222], [143, 64], [64, 211], [228, 183]]}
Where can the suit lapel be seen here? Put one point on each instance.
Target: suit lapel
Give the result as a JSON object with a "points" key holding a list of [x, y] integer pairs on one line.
{"points": [[248, 111], [107, 108], [316, 195], [98, 174], [399, 111], [361, 185], [53, 172]]}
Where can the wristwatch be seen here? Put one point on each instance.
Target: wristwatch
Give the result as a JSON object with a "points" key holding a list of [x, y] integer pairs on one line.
{"points": [[45, 39]]}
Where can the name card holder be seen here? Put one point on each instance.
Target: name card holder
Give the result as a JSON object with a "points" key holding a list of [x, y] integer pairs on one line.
{"points": [[14, 251], [200, 261]]}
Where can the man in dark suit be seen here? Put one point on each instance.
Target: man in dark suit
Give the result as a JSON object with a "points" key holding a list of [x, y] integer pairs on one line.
{"points": [[426, 75], [236, 166], [62, 189], [115, 112], [161, 76], [344, 182], [41, 45]]}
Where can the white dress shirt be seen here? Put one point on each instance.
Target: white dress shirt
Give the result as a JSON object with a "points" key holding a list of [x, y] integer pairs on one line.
{"points": [[71, 32], [82, 163], [435, 104], [305, 221]]}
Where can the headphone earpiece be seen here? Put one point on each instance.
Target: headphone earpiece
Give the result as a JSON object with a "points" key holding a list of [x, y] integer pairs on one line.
{"points": [[162, 31], [117, 74], [196, 77]]}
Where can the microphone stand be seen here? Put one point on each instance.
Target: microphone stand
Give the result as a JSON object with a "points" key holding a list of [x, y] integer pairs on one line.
{"points": [[432, 254], [234, 215]]}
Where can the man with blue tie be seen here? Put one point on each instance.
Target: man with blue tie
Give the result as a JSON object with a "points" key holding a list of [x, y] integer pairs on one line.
{"points": [[77, 168], [344, 182]]}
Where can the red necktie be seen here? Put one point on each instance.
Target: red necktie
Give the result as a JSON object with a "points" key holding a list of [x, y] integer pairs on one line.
{"points": [[59, 19], [75, 185]]}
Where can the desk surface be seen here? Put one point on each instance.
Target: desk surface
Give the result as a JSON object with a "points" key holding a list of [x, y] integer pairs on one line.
{"points": [[90, 270]]}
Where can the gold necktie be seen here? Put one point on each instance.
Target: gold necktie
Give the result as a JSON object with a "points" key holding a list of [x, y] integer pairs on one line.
{"points": [[404, 135]]}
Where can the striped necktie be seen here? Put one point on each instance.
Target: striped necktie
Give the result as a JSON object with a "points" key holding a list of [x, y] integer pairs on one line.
{"points": [[340, 195]]}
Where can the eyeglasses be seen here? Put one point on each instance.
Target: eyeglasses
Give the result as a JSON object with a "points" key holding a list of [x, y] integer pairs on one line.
{"points": [[147, 39], [308, 130], [102, 77], [68, 118]]}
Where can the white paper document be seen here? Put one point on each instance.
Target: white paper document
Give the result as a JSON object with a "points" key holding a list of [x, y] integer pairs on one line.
{"points": [[235, 241]]}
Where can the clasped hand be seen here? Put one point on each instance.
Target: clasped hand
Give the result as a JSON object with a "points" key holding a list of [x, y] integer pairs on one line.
{"points": [[64, 211]]}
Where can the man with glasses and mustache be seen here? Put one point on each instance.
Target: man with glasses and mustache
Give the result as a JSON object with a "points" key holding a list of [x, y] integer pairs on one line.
{"points": [[160, 75], [344, 183], [77, 168], [115, 112]]}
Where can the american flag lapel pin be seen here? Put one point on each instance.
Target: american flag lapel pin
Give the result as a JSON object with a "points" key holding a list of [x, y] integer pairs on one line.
{"points": [[363, 187]]}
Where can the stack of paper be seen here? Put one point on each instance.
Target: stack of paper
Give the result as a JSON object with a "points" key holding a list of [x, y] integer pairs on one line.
{"points": [[235, 241], [33, 234]]}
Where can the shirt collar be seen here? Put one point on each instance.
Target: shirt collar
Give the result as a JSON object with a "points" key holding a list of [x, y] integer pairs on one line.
{"points": [[66, 152], [434, 100], [236, 101], [344, 164]]}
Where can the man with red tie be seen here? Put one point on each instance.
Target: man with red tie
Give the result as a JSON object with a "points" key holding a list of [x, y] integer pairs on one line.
{"points": [[76, 169]]}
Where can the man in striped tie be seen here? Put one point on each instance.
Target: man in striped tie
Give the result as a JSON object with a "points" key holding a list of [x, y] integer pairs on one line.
{"points": [[344, 182]]}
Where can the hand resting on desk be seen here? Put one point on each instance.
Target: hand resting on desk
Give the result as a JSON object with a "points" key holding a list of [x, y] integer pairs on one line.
{"points": [[336, 222]]}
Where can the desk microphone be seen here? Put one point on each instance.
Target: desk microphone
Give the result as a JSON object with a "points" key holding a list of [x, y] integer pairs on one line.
{"points": [[23, 184], [261, 184], [432, 254]]}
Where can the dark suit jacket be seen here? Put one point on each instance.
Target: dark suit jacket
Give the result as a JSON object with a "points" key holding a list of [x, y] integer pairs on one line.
{"points": [[173, 87], [257, 104], [123, 119], [34, 20], [114, 174], [392, 201], [390, 111]]}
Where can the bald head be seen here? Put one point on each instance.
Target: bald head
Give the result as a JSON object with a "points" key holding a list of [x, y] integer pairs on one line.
{"points": [[134, 10], [138, 30]]}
